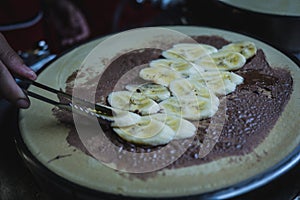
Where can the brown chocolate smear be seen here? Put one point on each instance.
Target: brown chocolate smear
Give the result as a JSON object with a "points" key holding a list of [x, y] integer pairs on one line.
{"points": [[251, 111]]}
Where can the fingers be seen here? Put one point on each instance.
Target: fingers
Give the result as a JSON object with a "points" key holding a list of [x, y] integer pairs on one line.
{"points": [[12, 65], [13, 62], [10, 90]]}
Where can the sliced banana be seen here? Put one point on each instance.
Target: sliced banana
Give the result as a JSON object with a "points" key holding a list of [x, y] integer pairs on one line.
{"points": [[190, 51], [220, 82], [207, 48], [166, 63], [183, 128], [147, 131], [185, 87], [183, 67], [159, 75], [122, 118], [153, 91], [190, 107], [222, 60], [246, 48], [185, 84], [133, 101]]}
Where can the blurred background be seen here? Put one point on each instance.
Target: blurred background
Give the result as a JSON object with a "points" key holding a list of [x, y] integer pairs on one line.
{"points": [[58, 25], [65, 23], [40, 30]]}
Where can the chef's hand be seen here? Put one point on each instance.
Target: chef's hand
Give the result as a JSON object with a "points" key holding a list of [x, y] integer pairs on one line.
{"points": [[11, 65]]}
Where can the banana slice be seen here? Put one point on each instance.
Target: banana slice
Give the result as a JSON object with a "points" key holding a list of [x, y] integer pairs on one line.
{"points": [[196, 99], [190, 51], [190, 107], [220, 82], [246, 48], [185, 87], [133, 101], [183, 67], [167, 63], [207, 48], [122, 118], [186, 84], [153, 91], [147, 131], [183, 128], [159, 75], [222, 60]]}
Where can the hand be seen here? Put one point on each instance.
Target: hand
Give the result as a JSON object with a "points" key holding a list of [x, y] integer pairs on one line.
{"points": [[12, 65]]}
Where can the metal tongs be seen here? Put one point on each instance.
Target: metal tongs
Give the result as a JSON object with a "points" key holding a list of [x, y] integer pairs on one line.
{"points": [[74, 103]]}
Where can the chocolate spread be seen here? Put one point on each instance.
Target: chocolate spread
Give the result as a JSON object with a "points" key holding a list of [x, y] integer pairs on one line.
{"points": [[250, 111]]}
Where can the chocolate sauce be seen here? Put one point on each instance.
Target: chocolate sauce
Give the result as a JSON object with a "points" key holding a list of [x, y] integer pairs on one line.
{"points": [[251, 111]]}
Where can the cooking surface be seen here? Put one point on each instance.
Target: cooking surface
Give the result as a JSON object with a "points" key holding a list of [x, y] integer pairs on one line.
{"points": [[16, 181], [278, 7]]}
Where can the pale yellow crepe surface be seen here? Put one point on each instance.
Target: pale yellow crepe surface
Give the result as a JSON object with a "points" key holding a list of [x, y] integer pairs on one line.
{"points": [[46, 138]]}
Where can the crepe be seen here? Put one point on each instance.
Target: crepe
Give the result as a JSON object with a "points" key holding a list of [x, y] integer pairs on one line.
{"points": [[48, 138]]}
